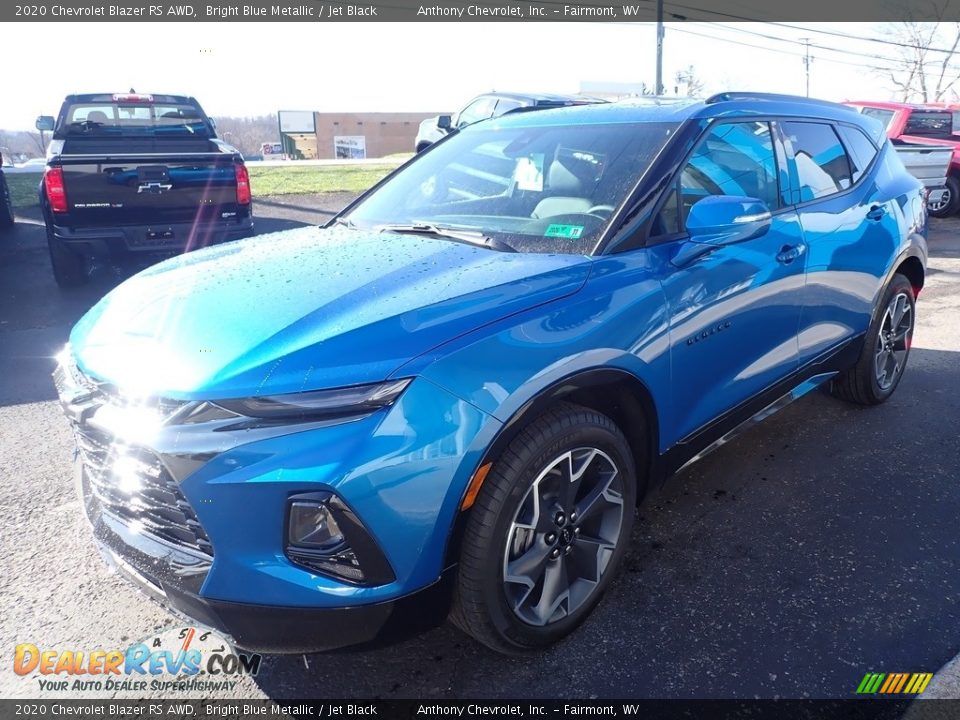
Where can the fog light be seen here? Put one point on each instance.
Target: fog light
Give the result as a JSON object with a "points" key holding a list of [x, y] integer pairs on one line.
{"points": [[324, 535], [312, 525]]}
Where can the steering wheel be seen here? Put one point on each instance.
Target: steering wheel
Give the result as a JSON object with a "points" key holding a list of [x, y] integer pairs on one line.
{"points": [[601, 211]]}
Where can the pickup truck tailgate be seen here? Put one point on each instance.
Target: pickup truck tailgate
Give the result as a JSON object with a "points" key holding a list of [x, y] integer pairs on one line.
{"points": [[930, 164], [136, 190]]}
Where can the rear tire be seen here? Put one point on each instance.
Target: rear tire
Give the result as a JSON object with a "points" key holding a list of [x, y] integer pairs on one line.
{"points": [[547, 532], [6, 204], [949, 206], [886, 348], [69, 266]]}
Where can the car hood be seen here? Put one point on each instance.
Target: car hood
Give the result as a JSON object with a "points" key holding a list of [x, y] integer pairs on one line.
{"points": [[304, 310]]}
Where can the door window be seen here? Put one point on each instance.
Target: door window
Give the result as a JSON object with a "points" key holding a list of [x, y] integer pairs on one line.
{"points": [[479, 109], [505, 105], [734, 159], [822, 164], [881, 114]]}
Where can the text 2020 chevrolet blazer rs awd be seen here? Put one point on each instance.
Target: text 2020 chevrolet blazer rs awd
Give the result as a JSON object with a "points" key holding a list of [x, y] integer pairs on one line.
{"points": [[450, 399]]}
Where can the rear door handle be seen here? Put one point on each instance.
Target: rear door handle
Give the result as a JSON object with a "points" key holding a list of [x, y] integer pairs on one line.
{"points": [[789, 253], [876, 212]]}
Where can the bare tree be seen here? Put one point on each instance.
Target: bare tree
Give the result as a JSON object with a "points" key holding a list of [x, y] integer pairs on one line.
{"points": [[21, 144], [687, 83], [248, 133], [925, 70]]}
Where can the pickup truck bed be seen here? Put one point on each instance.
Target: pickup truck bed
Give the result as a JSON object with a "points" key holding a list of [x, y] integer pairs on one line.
{"points": [[926, 126], [141, 175]]}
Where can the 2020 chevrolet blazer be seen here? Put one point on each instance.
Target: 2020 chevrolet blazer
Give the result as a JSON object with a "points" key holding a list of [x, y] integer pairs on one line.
{"points": [[450, 399]]}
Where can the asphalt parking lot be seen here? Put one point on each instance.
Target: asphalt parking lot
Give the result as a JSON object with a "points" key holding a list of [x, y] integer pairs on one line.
{"points": [[813, 549]]}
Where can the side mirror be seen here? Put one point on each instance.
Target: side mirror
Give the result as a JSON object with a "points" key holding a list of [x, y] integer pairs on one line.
{"points": [[720, 220], [45, 123], [444, 122], [726, 219]]}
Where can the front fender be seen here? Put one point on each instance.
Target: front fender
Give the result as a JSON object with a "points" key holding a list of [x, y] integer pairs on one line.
{"points": [[618, 320]]}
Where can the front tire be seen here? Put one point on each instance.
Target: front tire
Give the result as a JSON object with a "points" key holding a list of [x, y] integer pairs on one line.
{"points": [[885, 348], [547, 532], [949, 206]]}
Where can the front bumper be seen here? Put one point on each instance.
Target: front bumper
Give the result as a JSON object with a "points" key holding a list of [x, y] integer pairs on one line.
{"points": [[151, 568], [222, 559]]}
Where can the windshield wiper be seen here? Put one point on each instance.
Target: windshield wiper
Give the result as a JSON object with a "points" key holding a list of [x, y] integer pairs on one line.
{"points": [[346, 222], [471, 237]]}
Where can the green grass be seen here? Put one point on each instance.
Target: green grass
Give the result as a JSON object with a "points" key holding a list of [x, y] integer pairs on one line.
{"points": [[264, 181], [306, 180], [23, 188]]}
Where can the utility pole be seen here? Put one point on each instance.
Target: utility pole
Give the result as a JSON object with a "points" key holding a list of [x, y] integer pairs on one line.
{"points": [[807, 61], [658, 90]]}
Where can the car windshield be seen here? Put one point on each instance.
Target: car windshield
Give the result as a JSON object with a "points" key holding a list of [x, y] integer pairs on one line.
{"points": [[139, 118], [547, 189]]}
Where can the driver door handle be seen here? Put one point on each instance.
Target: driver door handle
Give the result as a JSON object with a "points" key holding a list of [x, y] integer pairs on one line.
{"points": [[876, 212], [789, 253]]}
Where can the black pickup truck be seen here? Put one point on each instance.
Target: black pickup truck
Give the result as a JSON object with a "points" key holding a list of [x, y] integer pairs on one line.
{"points": [[138, 175]]}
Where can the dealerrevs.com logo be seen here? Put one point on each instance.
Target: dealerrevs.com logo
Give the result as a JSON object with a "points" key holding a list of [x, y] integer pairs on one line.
{"points": [[189, 658]]}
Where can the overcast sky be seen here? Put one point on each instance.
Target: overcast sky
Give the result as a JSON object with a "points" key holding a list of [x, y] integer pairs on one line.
{"points": [[255, 69]]}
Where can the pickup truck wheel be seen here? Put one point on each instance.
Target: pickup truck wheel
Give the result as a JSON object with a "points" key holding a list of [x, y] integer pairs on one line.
{"points": [[69, 267], [950, 203], [6, 205], [547, 532], [885, 349]]}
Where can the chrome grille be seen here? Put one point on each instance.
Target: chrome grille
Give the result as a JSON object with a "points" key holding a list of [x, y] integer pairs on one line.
{"points": [[132, 485], [106, 393]]}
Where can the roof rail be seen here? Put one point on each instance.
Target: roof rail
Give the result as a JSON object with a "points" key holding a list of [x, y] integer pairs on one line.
{"points": [[738, 95]]}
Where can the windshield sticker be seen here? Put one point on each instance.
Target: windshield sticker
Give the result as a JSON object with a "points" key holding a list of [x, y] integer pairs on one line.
{"points": [[528, 173], [569, 232]]}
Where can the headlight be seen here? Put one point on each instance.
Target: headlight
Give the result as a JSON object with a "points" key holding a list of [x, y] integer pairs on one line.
{"points": [[324, 535], [321, 404]]}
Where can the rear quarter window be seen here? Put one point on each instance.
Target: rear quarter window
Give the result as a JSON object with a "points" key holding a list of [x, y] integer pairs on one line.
{"points": [[859, 148], [822, 164]]}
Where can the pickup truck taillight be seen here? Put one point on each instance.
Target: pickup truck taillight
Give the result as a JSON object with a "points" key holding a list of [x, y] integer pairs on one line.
{"points": [[56, 192], [243, 184]]}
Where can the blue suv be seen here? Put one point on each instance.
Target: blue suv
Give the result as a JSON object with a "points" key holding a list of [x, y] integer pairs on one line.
{"points": [[450, 399]]}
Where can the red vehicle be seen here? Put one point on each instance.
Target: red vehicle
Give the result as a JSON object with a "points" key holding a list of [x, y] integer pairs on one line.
{"points": [[921, 125], [954, 108]]}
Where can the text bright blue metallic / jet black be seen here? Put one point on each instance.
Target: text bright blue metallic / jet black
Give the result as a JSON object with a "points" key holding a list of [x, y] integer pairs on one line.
{"points": [[449, 400]]}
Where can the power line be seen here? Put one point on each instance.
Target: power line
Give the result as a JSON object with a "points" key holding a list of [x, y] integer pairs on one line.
{"points": [[897, 64], [834, 33], [790, 26], [802, 41], [799, 55], [864, 38]]}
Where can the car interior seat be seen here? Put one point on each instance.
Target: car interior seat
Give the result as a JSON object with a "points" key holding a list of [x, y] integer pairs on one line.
{"points": [[564, 191]]}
